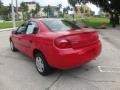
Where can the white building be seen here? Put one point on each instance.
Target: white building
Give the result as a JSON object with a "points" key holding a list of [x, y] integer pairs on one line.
{"points": [[32, 6]]}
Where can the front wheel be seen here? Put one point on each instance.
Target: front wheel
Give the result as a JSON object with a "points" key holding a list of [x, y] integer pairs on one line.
{"points": [[41, 65]]}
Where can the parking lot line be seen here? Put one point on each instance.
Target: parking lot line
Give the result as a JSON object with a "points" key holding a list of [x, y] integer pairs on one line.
{"points": [[109, 69]]}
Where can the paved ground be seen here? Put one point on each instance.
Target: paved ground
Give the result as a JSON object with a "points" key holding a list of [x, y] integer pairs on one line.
{"points": [[17, 72]]}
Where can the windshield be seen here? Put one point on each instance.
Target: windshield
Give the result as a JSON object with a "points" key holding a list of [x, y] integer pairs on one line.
{"points": [[60, 25]]}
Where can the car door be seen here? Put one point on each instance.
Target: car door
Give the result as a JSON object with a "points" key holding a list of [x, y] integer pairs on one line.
{"points": [[18, 36], [28, 40]]}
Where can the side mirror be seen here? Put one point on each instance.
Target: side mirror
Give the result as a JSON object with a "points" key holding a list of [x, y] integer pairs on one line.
{"points": [[13, 32]]}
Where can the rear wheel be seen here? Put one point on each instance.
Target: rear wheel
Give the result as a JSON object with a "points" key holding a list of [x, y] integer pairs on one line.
{"points": [[41, 65], [12, 46]]}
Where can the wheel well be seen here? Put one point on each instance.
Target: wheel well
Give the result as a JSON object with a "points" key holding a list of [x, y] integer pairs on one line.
{"points": [[36, 51], [10, 39]]}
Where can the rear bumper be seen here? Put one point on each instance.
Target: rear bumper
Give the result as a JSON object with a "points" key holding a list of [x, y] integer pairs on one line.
{"points": [[74, 58]]}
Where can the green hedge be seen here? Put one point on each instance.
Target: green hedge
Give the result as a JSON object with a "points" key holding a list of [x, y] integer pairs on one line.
{"points": [[96, 22], [91, 21]]}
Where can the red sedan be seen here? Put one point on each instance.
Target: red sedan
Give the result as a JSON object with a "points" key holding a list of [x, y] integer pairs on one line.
{"points": [[55, 43]]}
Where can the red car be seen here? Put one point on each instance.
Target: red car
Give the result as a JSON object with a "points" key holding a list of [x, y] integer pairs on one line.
{"points": [[55, 43]]}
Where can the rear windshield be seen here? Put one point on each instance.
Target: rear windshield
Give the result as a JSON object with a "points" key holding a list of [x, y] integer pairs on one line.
{"points": [[60, 25]]}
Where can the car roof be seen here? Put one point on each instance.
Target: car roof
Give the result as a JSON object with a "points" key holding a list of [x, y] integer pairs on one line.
{"points": [[45, 19]]}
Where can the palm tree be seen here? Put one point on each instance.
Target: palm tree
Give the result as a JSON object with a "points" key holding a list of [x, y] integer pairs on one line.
{"points": [[68, 9], [1, 7], [24, 9], [37, 9], [17, 16], [48, 11], [64, 11], [9, 10], [1, 4], [45, 10], [73, 4], [59, 8], [33, 12]]}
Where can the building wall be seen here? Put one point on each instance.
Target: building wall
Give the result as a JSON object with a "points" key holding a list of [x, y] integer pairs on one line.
{"points": [[41, 13]]}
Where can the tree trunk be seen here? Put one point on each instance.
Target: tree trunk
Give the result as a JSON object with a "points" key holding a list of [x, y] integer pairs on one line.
{"points": [[117, 19], [113, 20], [23, 15]]}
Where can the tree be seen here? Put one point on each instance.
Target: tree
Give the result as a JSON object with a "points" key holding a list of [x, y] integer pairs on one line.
{"points": [[1, 4], [48, 10], [73, 2], [9, 10], [1, 7], [66, 10], [24, 9], [92, 13], [59, 8], [110, 6], [35, 11], [45, 10], [4, 10]]}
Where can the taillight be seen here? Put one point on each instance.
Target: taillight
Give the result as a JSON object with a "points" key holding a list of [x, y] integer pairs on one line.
{"points": [[62, 43]]}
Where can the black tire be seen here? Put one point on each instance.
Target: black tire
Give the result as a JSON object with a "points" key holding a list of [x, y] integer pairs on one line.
{"points": [[12, 46], [45, 69]]}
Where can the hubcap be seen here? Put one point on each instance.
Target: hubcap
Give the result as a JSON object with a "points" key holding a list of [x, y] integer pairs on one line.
{"points": [[39, 64], [11, 45]]}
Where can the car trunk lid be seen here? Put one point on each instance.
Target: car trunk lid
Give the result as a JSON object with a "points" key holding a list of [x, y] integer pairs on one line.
{"points": [[81, 38]]}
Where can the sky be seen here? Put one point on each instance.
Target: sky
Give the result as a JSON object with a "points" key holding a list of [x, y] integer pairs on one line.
{"points": [[52, 2]]}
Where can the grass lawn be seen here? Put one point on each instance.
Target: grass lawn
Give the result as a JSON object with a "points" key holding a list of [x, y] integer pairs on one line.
{"points": [[8, 24], [96, 22], [92, 21]]}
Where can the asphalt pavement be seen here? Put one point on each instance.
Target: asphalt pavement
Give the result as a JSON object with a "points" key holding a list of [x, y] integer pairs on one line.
{"points": [[18, 72]]}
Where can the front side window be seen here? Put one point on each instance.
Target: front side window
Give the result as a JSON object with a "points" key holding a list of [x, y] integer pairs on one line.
{"points": [[60, 25], [21, 29]]}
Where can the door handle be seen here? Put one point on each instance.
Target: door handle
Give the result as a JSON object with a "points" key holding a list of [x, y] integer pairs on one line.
{"points": [[19, 38], [30, 41]]}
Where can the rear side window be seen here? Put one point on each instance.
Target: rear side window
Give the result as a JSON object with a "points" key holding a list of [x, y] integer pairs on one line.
{"points": [[31, 28]]}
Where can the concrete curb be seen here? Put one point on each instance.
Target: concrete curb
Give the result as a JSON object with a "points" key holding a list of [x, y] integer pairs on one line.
{"points": [[8, 29]]}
